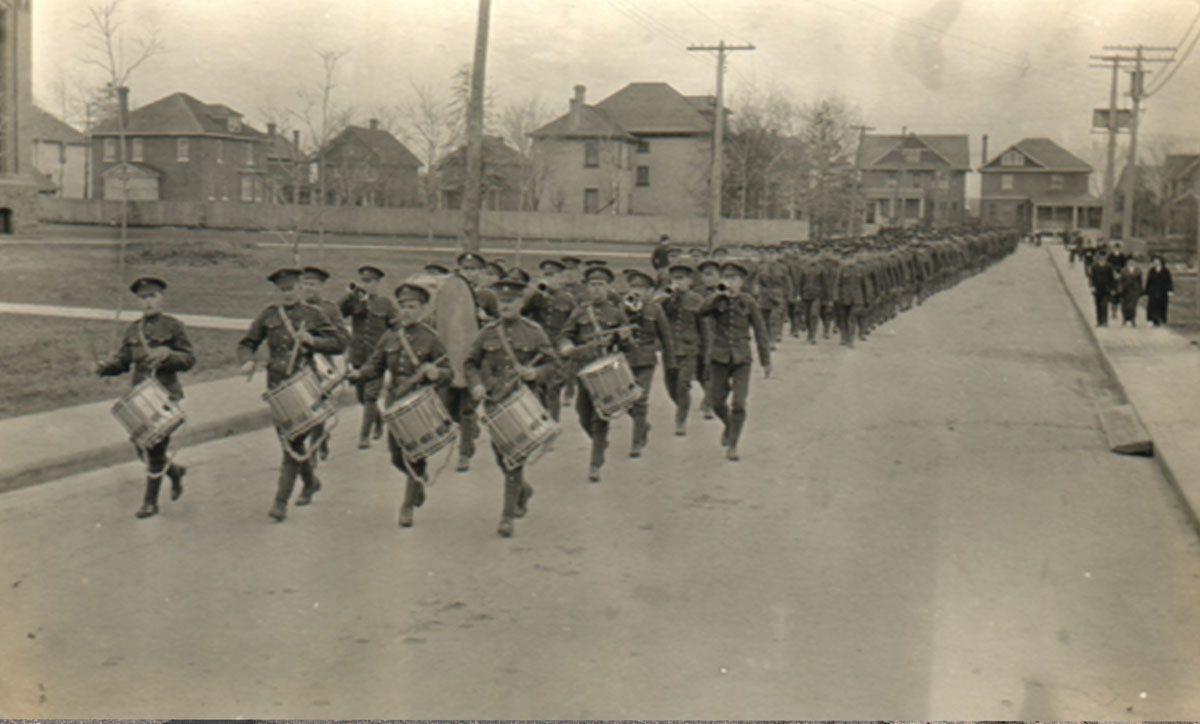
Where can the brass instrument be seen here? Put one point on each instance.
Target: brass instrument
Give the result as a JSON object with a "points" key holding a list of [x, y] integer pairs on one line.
{"points": [[724, 289], [542, 286], [633, 301]]}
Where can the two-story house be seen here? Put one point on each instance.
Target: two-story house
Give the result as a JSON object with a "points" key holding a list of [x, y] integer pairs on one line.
{"points": [[505, 175], [366, 167], [179, 149], [913, 179], [60, 155], [1037, 185], [287, 167], [645, 149]]}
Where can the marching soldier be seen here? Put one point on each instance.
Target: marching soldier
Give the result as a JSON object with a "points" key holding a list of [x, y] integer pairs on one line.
{"points": [[651, 332], [508, 352], [734, 313], [158, 345], [710, 277], [775, 290], [311, 281], [415, 357], [550, 305], [293, 331], [371, 315], [586, 338], [682, 307]]}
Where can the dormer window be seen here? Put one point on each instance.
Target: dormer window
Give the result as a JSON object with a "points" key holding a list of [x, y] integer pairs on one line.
{"points": [[912, 155], [235, 124], [1012, 158]]}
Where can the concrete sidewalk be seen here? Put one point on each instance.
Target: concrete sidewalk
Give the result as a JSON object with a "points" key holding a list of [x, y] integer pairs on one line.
{"points": [[1158, 370], [49, 445], [202, 321]]}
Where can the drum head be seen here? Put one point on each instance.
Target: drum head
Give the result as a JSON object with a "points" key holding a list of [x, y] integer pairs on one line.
{"points": [[454, 313]]}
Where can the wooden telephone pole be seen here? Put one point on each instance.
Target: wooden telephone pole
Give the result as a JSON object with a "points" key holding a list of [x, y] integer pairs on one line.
{"points": [[473, 183]]}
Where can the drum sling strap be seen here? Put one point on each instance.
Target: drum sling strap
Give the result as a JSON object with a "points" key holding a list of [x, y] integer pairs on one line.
{"points": [[416, 362], [512, 355], [314, 445], [153, 369]]}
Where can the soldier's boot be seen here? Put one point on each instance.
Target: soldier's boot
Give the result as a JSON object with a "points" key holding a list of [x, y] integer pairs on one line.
{"points": [[599, 443], [364, 432], [150, 499], [278, 510], [323, 453], [414, 495], [736, 421], [311, 483], [523, 500], [377, 417], [681, 421], [512, 492], [464, 463], [283, 492], [641, 430], [176, 473]]}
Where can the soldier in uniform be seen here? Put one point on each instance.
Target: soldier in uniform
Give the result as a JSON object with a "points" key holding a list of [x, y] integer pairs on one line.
{"points": [[585, 339], [775, 290], [312, 280], [710, 277], [293, 331], [550, 305], [415, 357], [158, 345], [682, 307], [651, 333], [734, 313], [848, 298], [508, 352], [810, 282], [371, 314]]}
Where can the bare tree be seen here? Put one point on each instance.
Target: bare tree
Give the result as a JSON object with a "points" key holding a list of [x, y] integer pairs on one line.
{"points": [[105, 49], [324, 118], [460, 95], [427, 124], [829, 147], [517, 120]]}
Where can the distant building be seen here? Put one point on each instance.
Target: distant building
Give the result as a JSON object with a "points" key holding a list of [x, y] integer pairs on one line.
{"points": [[914, 179], [1037, 185], [505, 175], [366, 167], [180, 149], [60, 155], [645, 149], [287, 168], [18, 183], [1182, 175]]}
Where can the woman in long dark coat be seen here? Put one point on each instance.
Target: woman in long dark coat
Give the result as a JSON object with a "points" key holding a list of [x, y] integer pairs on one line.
{"points": [[1129, 290], [1158, 292]]}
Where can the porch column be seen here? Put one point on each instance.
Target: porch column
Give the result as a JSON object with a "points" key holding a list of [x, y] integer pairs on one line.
{"points": [[1074, 218]]}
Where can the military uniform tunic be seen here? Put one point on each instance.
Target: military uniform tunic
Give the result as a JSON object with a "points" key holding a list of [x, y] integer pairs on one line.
{"points": [[159, 330]]}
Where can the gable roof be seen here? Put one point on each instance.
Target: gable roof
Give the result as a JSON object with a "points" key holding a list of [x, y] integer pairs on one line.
{"points": [[590, 122], [45, 126], [386, 147], [180, 114], [954, 148], [495, 152], [1179, 165], [1045, 153], [652, 108]]}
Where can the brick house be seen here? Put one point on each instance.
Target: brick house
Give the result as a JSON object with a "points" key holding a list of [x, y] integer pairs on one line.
{"points": [[1037, 185], [287, 168], [913, 179], [645, 149], [180, 149], [367, 167], [505, 175], [60, 155]]}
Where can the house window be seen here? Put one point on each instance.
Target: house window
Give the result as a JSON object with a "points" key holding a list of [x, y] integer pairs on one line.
{"points": [[220, 151], [591, 200], [139, 150], [235, 124], [181, 150], [1006, 182], [643, 175], [591, 154], [1056, 182], [891, 178], [110, 150], [915, 179], [247, 188], [249, 154], [991, 211], [1012, 158], [643, 147], [259, 188], [912, 155]]}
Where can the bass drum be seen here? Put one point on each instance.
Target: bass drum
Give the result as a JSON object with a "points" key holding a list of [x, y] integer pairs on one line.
{"points": [[456, 323]]}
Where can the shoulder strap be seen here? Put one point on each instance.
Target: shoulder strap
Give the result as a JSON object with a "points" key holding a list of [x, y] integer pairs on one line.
{"points": [[507, 347], [412, 356], [141, 333]]}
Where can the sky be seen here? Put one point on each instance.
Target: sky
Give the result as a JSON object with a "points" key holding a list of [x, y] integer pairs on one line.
{"points": [[1007, 68]]}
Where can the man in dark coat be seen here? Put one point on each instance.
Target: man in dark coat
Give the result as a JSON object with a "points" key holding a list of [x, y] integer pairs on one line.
{"points": [[1159, 289], [1103, 281]]}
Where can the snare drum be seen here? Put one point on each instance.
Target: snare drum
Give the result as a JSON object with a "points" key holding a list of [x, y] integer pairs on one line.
{"points": [[298, 404], [518, 425], [420, 424], [148, 413], [610, 383]]}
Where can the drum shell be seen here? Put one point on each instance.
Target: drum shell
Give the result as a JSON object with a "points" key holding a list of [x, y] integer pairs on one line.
{"points": [[298, 404], [148, 413], [420, 424], [611, 385], [519, 425]]}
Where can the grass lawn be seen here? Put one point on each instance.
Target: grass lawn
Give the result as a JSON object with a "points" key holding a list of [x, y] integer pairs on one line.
{"points": [[48, 362]]}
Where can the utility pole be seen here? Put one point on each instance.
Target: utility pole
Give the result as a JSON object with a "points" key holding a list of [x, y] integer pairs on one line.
{"points": [[856, 220], [714, 212], [1106, 222], [473, 183]]}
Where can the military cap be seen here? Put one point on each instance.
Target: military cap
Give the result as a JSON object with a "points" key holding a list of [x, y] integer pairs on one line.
{"points": [[634, 276], [685, 268], [285, 274], [470, 256], [518, 274], [314, 272], [595, 262], [509, 289], [147, 283], [721, 251], [408, 291], [598, 271], [735, 267], [573, 260], [708, 264], [369, 269], [551, 263], [495, 267], [436, 269]]}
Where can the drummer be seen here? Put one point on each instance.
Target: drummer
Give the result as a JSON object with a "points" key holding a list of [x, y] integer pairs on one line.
{"points": [[652, 332], [371, 315], [585, 340], [158, 345], [550, 305], [311, 282], [414, 355], [506, 353], [293, 333]]}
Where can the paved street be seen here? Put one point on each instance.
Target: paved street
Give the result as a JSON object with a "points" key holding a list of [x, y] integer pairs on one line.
{"points": [[929, 526]]}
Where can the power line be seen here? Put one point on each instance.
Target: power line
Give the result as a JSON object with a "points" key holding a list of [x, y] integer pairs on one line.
{"points": [[1188, 51], [674, 43]]}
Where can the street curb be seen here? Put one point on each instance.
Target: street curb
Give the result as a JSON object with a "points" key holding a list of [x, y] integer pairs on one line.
{"points": [[123, 452], [1158, 453]]}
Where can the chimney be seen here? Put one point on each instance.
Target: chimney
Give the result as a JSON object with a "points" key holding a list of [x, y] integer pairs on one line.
{"points": [[374, 122], [123, 105], [270, 129], [576, 104], [985, 158], [296, 139]]}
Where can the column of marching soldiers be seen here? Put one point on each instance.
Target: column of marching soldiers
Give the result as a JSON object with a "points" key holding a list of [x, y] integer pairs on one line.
{"points": [[515, 348]]}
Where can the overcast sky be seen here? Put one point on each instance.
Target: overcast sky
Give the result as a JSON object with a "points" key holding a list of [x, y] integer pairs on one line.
{"points": [[1008, 68]]}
